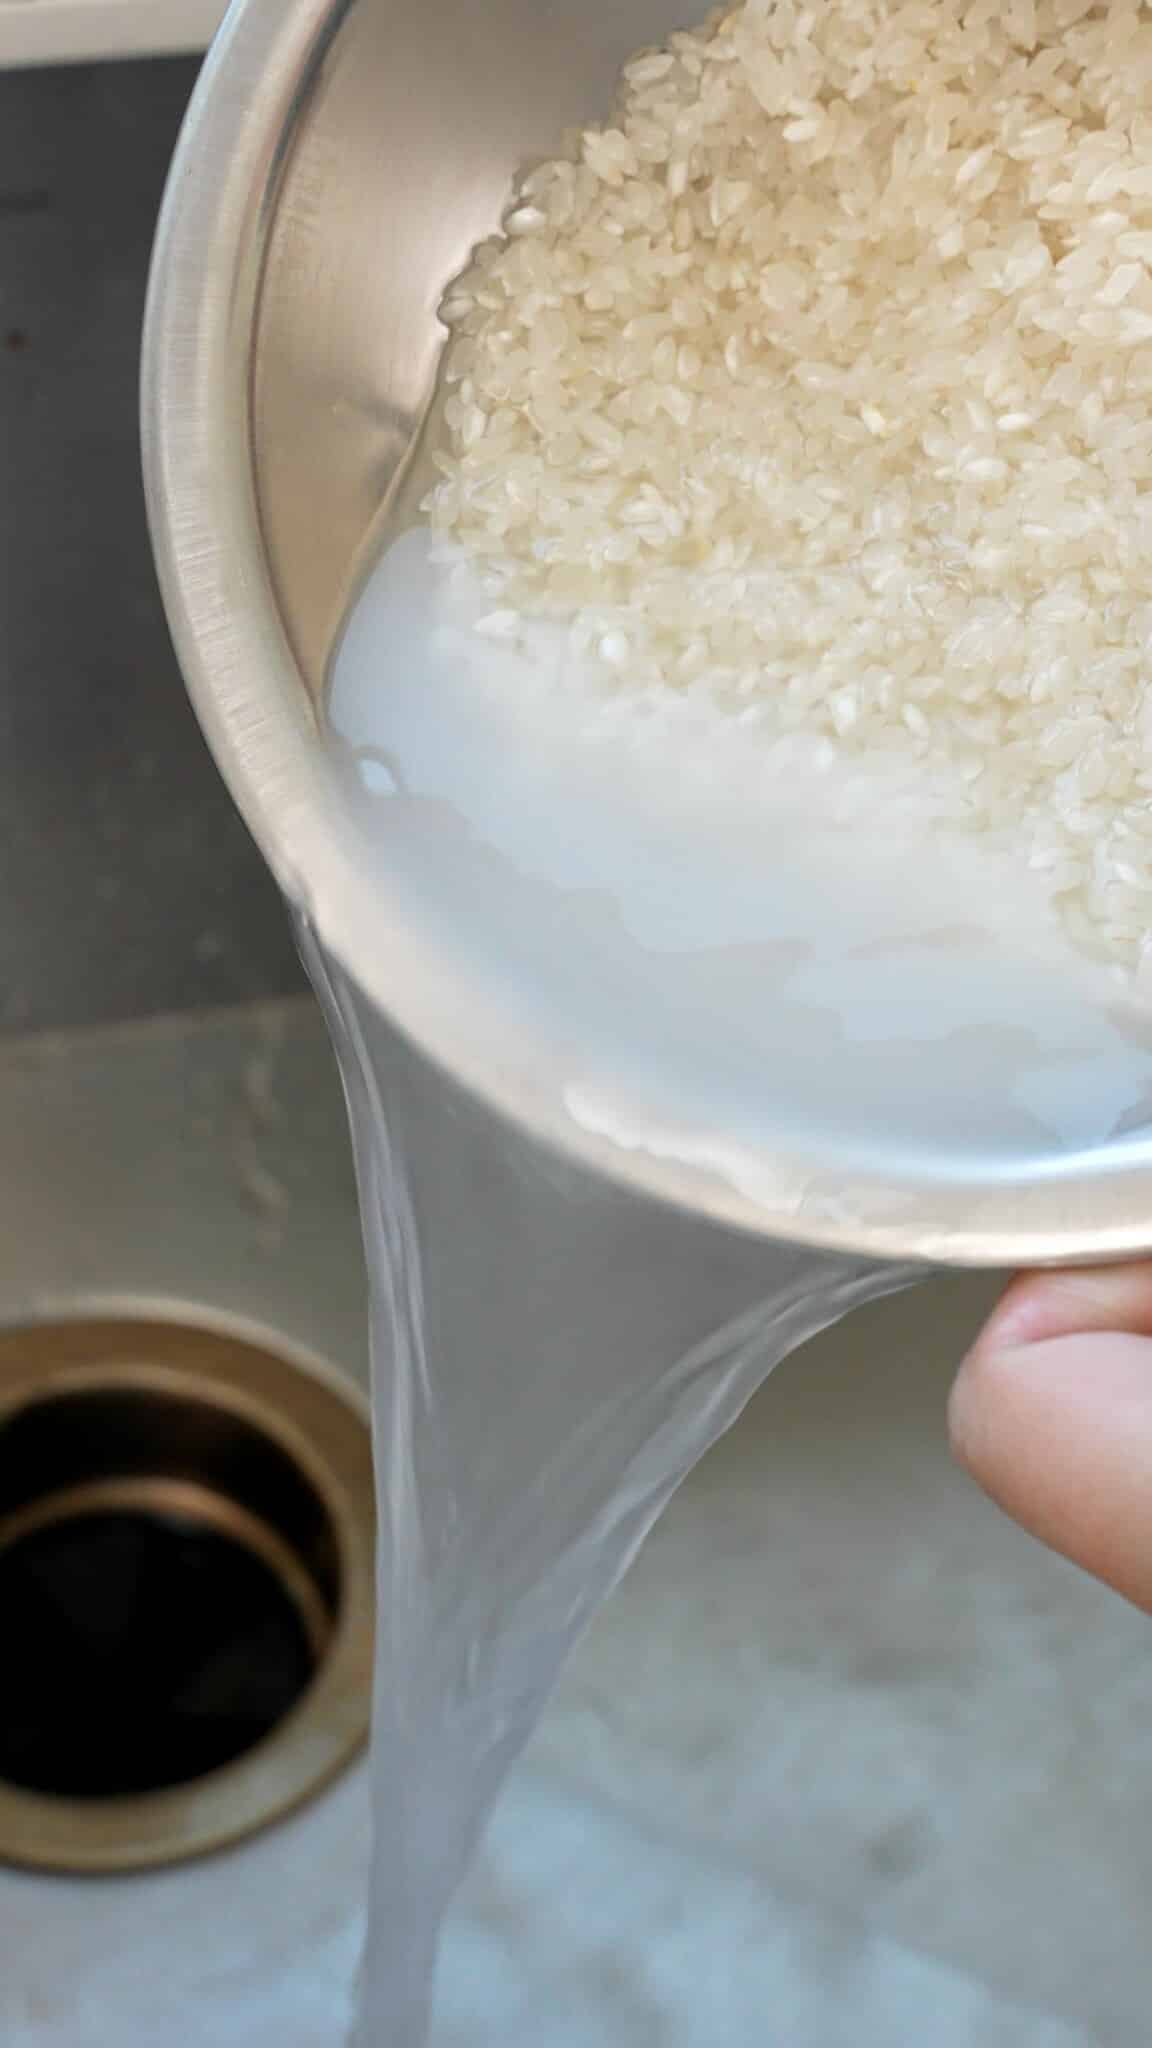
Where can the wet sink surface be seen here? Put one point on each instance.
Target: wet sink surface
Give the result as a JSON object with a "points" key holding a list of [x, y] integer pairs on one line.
{"points": [[846, 1757]]}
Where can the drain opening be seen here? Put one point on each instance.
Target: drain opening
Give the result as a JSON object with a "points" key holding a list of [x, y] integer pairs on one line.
{"points": [[185, 1595], [146, 1648]]}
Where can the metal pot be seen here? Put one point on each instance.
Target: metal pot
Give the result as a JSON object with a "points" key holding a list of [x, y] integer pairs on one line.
{"points": [[339, 160]]}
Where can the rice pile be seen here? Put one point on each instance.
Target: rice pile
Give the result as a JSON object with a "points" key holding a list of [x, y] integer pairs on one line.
{"points": [[820, 381]]}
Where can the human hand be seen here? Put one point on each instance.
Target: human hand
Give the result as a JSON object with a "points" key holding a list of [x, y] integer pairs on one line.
{"points": [[1052, 1414]]}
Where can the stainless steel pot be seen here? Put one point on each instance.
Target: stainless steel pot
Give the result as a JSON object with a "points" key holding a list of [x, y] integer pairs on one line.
{"points": [[339, 160]]}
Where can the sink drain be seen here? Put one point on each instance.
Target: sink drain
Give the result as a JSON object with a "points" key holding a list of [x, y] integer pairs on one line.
{"points": [[186, 1536]]}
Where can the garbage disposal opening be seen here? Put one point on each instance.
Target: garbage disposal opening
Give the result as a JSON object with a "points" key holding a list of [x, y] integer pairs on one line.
{"points": [[185, 1590]]}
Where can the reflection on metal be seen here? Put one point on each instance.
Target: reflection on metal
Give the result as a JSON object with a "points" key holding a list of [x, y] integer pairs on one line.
{"points": [[186, 1549]]}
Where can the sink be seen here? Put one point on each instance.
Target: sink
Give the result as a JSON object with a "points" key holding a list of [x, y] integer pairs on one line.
{"points": [[173, 1132], [191, 1167], [848, 1760], [130, 886], [845, 1746]]}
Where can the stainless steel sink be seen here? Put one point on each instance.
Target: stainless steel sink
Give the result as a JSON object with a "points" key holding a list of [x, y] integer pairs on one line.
{"points": [[172, 1137], [129, 885], [847, 1760], [845, 1746], [196, 1167]]}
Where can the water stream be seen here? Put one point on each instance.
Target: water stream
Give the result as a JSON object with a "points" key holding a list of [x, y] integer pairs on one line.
{"points": [[551, 1359]]}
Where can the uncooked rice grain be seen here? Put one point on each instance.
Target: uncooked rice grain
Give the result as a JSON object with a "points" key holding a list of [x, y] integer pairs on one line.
{"points": [[820, 379]]}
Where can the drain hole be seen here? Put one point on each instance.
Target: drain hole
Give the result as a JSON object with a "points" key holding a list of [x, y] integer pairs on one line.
{"points": [[143, 1650], [168, 1587], [186, 1589]]}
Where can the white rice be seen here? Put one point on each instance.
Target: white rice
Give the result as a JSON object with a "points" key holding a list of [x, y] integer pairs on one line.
{"points": [[821, 380]]}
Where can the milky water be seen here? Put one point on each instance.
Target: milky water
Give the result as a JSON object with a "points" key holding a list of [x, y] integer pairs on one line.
{"points": [[726, 949], [734, 948]]}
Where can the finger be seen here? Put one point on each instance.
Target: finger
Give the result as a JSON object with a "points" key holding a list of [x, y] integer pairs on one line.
{"points": [[1052, 1414], [1070, 1303]]}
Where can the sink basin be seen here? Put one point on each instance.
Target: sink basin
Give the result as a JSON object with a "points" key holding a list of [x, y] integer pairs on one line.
{"points": [[130, 886], [847, 1761], [173, 1137], [846, 1747], [191, 1167]]}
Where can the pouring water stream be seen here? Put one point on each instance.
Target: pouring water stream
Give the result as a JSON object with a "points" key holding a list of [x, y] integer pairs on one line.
{"points": [[544, 1379]]}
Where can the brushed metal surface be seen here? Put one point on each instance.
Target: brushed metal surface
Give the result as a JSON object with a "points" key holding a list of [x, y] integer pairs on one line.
{"points": [[130, 886], [65, 31], [194, 1164]]}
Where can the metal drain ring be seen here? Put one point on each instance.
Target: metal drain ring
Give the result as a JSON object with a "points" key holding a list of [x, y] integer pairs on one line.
{"points": [[312, 1422]]}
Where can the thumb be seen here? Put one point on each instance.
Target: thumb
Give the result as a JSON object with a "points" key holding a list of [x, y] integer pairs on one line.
{"points": [[1052, 1415]]}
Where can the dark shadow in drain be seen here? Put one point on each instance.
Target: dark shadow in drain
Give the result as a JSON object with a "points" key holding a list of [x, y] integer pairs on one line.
{"points": [[168, 1592], [142, 1651]]}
